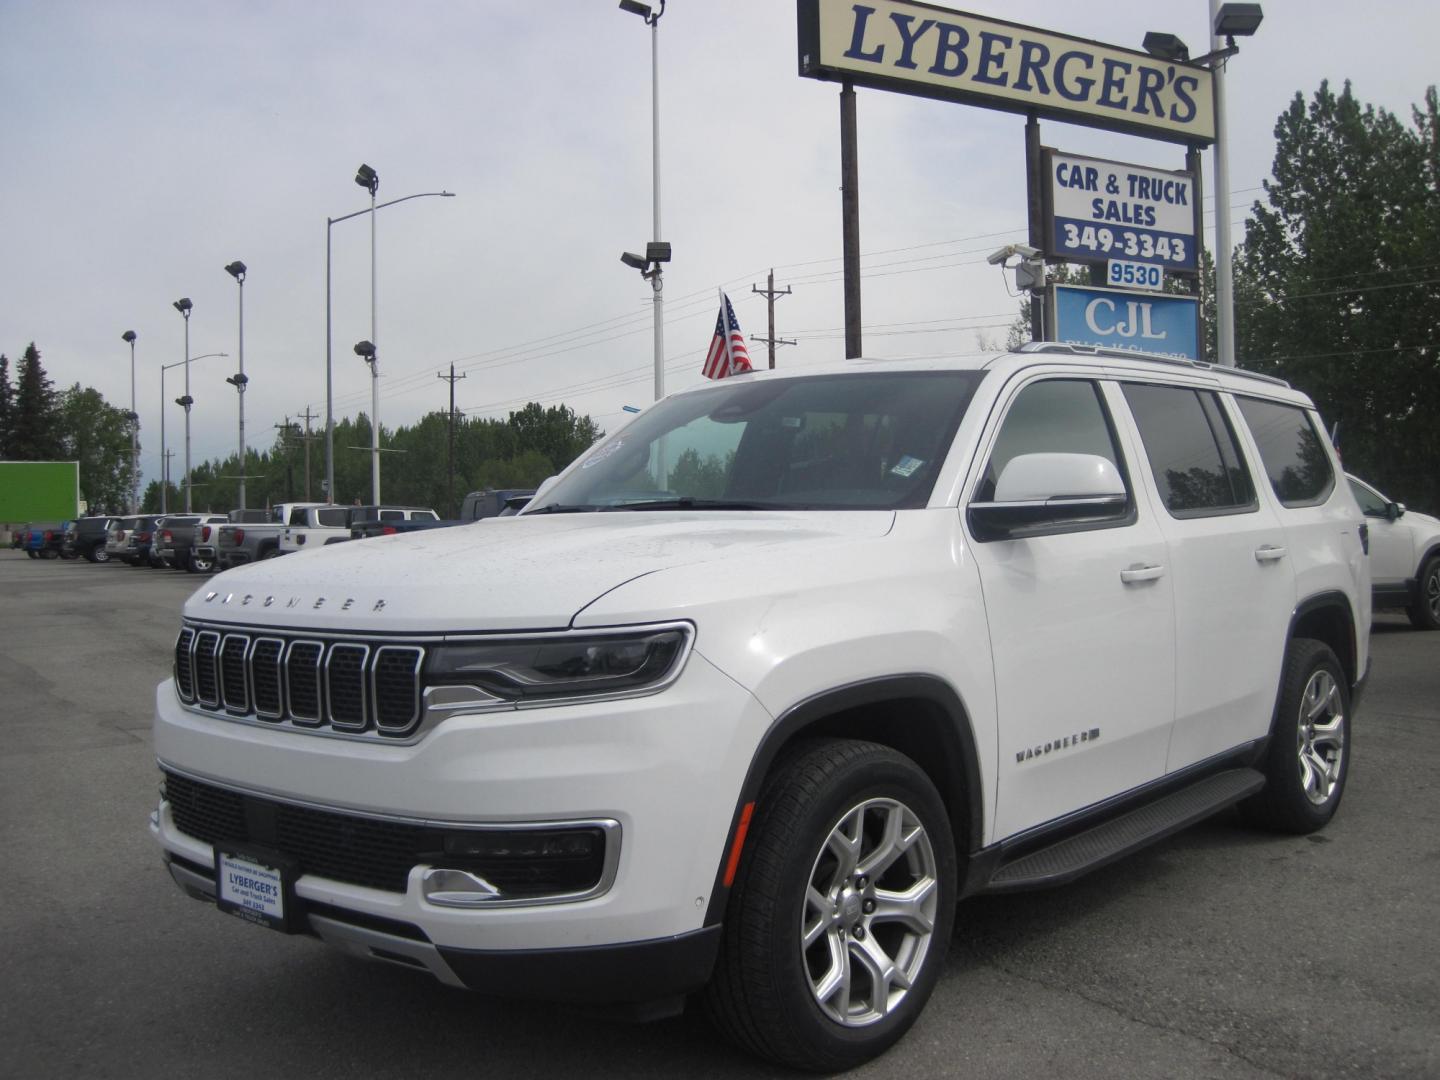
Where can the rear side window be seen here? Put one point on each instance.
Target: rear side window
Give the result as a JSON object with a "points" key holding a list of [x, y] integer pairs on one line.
{"points": [[1192, 450], [1292, 451], [331, 517]]}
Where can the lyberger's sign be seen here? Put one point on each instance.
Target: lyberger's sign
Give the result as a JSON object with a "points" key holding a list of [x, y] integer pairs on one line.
{"points": [[935, 52]]}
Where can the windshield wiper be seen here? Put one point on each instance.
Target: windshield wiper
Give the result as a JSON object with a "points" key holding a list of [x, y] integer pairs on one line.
{"points": [[560, 508]]}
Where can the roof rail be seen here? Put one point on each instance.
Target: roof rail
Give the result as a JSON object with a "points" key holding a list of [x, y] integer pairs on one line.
{"points": [[1128, 354]]}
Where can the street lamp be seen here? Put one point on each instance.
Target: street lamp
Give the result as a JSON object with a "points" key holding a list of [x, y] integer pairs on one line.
{"points": [[366, 351], [1228, 21], [164, 455], [183, 306], [367, 178], [652, 20], [129, 338], [236, 270]]}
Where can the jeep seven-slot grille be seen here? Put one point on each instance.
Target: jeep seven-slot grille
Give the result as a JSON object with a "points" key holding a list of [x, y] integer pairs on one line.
{"points": [[343, 686]]}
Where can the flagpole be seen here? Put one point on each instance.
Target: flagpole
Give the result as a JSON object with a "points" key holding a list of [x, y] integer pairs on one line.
{"points": [[725, 330]]}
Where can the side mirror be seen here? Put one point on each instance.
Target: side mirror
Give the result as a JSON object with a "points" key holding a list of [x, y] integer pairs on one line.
{"points": [[1394, 511], [1039, 493]]}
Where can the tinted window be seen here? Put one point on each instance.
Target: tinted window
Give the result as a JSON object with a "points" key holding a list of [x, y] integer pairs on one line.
{"points": [[331, 517], [1291, 448], [392, 515], [1058, 416], [1192, 450], [1371, 504]]}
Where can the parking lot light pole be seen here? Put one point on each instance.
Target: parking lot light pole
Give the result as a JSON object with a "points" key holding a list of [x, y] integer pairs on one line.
{"points": [[366, 351], [183, 306], [236, 270], [129, 338], [329, 334], [164, 458]]}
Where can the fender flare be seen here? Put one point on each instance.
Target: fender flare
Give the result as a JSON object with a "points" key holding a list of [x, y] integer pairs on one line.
{"points": [[961, 767]]}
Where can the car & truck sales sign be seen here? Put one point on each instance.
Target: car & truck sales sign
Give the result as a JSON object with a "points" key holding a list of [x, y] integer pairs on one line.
{"points": [[931, 51], [1097, 210]]}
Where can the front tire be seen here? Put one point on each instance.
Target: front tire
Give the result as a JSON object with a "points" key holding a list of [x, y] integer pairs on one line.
{"points": [[1425, 612], [839, 921], [1308, 757]]}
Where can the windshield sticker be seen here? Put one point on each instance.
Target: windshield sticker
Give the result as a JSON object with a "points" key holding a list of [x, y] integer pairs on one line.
{"points": [[791, 421], [610, 449], [906, 466]]}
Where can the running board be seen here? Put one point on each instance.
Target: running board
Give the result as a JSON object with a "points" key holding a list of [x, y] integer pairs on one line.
{"points": [[1068, 859]]}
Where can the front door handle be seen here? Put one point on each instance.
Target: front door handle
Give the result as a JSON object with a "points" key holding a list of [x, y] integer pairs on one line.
{"points": [[1141, 573], [1269, 553]]}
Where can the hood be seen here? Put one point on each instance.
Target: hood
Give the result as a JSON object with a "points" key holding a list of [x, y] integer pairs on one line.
{"points": [[517, 573]]}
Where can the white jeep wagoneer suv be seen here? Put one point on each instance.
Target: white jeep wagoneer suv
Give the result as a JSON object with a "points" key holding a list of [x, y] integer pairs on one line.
{"points": [[765, 682]]}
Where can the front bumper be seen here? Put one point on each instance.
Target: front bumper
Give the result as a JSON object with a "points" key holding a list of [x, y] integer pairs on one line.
{"points": [[668, 768]]}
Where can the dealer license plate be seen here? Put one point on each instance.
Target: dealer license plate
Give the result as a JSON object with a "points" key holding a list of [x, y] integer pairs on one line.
{"points": [[257, 888]]}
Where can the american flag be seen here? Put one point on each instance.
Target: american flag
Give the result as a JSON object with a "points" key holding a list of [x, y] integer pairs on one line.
{"points": [[727, 355]]}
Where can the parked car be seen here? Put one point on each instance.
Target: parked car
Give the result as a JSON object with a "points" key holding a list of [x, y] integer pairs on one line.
{"points": [[476, 506], [117, 536], [238, 543], [174, 537], [140, 539], [389, 520], [915, 631], [1404, 556], [313, 527], [85, 538], [35, 542], [202, 547]]}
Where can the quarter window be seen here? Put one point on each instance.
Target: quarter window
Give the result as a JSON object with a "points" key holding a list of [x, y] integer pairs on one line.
{"points": [[1292, 450], [1193, 453]]}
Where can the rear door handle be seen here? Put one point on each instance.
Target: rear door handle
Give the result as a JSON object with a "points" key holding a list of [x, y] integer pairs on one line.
{"points": [[1141, 573], [1269, 553]]}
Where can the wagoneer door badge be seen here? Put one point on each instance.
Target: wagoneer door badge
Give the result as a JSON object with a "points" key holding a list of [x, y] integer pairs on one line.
{"points": [[1063, 743]]}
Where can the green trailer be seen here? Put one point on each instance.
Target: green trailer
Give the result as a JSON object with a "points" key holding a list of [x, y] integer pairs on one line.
{"points": [[38, 493]]}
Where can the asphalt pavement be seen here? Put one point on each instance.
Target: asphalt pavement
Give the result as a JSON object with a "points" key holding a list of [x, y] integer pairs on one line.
{"points": [[1223, 952]]}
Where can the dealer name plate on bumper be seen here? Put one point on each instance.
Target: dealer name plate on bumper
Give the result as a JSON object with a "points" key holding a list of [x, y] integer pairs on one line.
{"points": [[253, 887]]}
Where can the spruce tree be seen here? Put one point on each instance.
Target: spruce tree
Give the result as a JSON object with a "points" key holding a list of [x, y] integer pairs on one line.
{"points": [[35, 428], [7, 397]]}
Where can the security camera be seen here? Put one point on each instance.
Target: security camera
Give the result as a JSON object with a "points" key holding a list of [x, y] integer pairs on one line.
{"points": [[1023, 250]]}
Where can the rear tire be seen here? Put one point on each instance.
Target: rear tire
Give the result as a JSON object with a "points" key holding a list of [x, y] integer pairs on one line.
{"points": [[271, 553], [1308, 757], [32, 554], [839, 921], [199, 565], [1425, 612]]}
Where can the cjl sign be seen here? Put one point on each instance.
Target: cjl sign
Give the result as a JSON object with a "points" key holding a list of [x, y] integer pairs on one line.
{"points": [[1115, 319]]}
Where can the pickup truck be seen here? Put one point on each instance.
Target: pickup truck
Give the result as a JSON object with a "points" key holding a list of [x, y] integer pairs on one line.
{"points": [[202, 541], [504, 502], [241, 543], [174, 539], [315, 527]]}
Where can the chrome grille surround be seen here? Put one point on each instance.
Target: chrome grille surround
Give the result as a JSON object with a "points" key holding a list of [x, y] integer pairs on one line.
{"points": [[325, 684]]}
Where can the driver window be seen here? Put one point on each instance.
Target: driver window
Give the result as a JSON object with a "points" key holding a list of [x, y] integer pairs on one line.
{"points": [[1055, 416]]}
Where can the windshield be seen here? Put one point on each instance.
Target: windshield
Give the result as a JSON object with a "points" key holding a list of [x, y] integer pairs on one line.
{"points": [[837, 442]]}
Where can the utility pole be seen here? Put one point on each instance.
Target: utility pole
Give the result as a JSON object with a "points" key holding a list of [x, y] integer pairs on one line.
{"points": [[452, 378], [286, 430], [770, 294], [307, 416]]}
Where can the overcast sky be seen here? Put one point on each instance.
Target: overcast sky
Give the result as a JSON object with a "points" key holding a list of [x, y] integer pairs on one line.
{"points": [[145, 145]]}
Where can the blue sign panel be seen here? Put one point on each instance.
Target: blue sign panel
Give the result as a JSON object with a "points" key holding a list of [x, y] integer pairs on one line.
{"points": [[1118, 319]]}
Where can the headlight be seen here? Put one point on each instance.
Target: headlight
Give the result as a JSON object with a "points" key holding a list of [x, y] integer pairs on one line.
{"points": [[563, 666]]}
